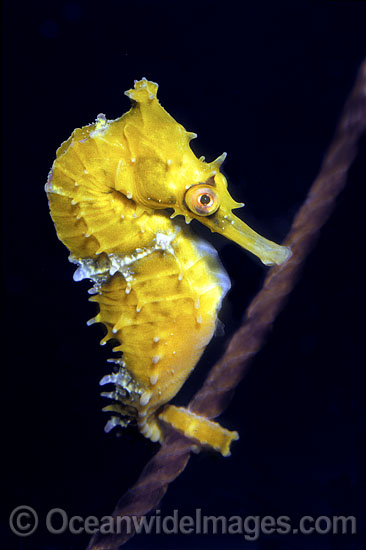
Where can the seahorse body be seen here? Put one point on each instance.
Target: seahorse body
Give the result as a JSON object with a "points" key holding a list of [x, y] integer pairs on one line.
{"points": [[158, 287]]}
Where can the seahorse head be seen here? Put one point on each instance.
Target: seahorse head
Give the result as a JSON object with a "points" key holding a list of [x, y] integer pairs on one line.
{"points": [[166, 174]]}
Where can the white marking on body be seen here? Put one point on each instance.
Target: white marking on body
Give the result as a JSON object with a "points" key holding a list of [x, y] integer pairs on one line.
{"points": [[112, 423], [145, 429], [145, 398], [153, 379], [155, 434]]}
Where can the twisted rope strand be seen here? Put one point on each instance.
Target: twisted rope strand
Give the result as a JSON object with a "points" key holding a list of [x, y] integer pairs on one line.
{"points": [[218, 388]]}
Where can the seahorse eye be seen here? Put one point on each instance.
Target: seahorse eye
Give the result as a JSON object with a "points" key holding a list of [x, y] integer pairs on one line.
{"points": [[205, 199], [202, 200]]}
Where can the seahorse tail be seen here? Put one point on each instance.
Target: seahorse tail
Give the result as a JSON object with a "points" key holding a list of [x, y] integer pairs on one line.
{"points": [[203, 431]]}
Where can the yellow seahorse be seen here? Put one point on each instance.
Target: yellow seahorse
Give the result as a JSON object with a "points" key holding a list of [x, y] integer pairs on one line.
{"points": [[113, 192]]}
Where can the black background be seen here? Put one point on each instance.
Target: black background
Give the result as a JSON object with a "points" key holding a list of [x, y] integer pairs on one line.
{"points": [[266, 82]]}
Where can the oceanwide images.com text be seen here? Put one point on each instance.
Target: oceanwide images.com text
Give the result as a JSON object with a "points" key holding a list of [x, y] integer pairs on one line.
{"points": [[24, 521]]}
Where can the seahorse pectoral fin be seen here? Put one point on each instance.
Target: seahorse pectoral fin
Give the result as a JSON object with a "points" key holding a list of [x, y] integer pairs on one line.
{"points": [[199, 428], [233, 228]]}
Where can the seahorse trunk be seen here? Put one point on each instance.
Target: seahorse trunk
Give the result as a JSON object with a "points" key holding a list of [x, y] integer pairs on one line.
{"points": [[161, 305]]}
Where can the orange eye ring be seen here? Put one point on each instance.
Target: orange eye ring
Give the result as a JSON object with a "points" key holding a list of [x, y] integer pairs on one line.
{"points": [[202, 200]]}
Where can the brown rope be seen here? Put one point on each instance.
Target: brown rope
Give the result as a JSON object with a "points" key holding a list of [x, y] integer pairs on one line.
{"points": [[218, 388]]}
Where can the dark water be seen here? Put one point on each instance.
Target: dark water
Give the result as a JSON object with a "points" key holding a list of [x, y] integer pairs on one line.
{"points": [[265, 82]]}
